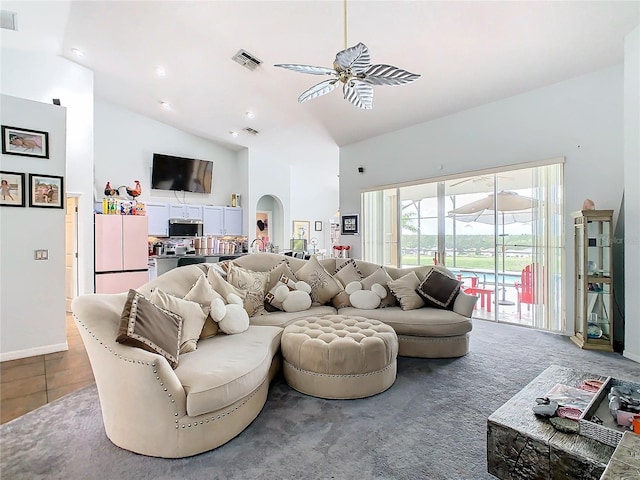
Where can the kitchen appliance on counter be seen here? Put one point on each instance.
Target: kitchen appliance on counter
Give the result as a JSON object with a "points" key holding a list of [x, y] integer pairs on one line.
{"points": [[170, 248], [185, 227], [158, 248]]}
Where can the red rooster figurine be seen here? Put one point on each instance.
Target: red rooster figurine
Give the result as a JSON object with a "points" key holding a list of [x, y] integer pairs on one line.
{"points": [[134, 192], [108, 191]]}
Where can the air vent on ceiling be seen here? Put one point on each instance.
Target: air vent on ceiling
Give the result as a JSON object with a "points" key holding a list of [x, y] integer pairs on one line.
{"points": [[247, 60], [8, 20], [250, 130]]}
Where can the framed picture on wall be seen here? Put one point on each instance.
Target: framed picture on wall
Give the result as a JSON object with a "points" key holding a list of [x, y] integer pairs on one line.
{"points": [[23, 142], [11, 189], [46, 191], [301, 229], [318, 226], [350, 224]]}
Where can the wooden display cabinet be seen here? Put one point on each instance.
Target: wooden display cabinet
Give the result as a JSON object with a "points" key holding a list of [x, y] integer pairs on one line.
{"points": [[593, 234]]}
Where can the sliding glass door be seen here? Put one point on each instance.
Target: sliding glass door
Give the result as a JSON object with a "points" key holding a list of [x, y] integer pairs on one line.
{"points": [[501, 234]]}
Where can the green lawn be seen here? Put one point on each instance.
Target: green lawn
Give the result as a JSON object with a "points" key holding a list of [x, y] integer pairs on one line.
{"points": [[483, 263]]}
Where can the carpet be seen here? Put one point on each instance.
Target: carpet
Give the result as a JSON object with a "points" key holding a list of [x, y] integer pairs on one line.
{"points": [[431, 424]]}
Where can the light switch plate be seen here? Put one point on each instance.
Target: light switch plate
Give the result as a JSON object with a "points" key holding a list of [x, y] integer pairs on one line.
{"points": [[41, 254]]}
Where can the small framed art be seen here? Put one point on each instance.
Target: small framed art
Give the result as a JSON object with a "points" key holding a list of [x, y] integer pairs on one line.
{"points": [[46, 191], [318, 226], [350, 224], [11, 189], [27, 143]]}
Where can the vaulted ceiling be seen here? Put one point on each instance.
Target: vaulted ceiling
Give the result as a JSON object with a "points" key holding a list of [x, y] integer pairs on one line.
{"points": [[467, 53]]}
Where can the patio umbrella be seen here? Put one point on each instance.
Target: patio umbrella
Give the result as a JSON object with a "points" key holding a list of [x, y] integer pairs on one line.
{"points": [[511, 208]]}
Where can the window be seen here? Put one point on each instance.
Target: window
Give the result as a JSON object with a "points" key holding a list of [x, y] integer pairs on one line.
{"points": [[502, 233]]}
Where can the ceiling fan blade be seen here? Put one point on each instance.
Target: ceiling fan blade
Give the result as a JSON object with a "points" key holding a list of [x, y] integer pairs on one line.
{"points": [[388, 75], [357, 58], [307, 69], [318, 90], [359, 94]]}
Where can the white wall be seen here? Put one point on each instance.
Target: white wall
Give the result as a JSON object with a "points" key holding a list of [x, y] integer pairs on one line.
{"points": [[124, 146], [32, 293], [42, 77], [579, 119], [632, 193], [301, 169]]}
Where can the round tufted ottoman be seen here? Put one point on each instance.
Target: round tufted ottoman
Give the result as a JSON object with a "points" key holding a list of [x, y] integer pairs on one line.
{"points": [[337, 356]]}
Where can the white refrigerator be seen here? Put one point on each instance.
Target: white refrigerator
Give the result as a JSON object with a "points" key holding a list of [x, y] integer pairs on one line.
{"points": [[121, 252]]}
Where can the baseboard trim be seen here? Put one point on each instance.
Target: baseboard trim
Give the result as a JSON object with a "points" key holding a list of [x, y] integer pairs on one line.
{"points": [[32, 352], [631, 356]]}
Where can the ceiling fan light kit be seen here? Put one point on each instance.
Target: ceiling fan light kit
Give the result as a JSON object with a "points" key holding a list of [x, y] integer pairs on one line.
{"points": [[353, 68]]}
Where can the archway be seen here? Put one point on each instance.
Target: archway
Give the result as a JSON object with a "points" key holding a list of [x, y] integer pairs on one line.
{"points": [[269, 222]]}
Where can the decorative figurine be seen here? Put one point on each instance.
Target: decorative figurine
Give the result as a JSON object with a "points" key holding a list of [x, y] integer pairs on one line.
{"points": [[134, 192], [108, 191]]}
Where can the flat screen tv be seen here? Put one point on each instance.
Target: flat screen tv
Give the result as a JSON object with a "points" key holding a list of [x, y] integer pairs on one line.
{"points": [[182, 174]]}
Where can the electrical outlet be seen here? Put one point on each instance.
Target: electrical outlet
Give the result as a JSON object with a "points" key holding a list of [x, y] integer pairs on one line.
{"points": [[41, 254]]}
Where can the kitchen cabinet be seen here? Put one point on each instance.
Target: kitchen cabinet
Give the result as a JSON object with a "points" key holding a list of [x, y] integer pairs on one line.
{"points": [[232, 221], [158, 218], [121, 252], [222, 221], [213, 220], [183, 210]]}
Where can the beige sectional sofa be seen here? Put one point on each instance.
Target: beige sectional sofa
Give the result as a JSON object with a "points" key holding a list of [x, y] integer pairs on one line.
{"points": [[217, 390]]}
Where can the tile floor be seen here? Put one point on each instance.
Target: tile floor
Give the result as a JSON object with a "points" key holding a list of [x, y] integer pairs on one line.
{"points": [[29, 383]]}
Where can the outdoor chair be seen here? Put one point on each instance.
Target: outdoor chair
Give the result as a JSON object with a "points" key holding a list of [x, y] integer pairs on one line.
{"points": [[526, 288]]}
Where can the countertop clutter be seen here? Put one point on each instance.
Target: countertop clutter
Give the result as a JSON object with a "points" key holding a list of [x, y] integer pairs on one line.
{"points": [[213, 255], [206, 245]]}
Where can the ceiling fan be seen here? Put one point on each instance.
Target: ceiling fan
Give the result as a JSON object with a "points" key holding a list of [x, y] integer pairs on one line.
{"points": [[353, 68]]}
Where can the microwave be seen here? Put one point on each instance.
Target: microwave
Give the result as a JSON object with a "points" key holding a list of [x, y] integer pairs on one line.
{"points": [[184, 227]]}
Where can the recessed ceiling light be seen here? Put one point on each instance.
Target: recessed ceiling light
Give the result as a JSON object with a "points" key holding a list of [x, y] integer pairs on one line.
{"points": [[165, 105], [161, 72], [250, 115], [233, 134], [77, 52]]}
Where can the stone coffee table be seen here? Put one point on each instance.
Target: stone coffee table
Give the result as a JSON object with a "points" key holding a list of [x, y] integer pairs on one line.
{"points": [[522, 446]]}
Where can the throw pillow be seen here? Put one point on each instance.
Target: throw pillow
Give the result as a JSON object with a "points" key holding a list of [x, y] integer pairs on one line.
{"points": [[348, 270], [289, 296], [282, 268], [146, 326], [203, 294], [193, 317], [254, 283], [323, 286], [438, 289], [270, 299], [365, 299], [232, 317], [382, 277], [404, 289], [345, 274], [222, 287]]}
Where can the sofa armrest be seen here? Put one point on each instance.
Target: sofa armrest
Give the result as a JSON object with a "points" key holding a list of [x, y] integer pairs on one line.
{"points": [[134, 385], [464, 304]]}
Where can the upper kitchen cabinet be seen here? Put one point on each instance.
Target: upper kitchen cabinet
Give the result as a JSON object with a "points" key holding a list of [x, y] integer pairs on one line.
{"points": [[232, 221], [182, 210], [222, 221], [158, 217], [213, 220]]}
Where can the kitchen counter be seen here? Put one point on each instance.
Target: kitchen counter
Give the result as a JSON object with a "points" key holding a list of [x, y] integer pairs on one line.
{"points": [[164, 263], [208, 255]]}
